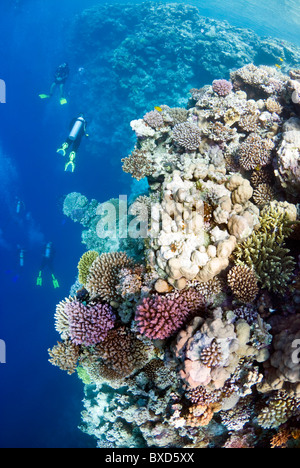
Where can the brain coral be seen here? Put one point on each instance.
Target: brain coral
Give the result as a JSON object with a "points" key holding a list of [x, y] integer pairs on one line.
{"points": [[90, 323]]}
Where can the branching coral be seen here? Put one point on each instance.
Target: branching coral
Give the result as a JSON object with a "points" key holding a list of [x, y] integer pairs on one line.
{"points": [[265, 249], [137, 164], [187, 135], [84, 265], [89, 324], [280, 407], [65, 356], [243, 283], [222, 87], [103, 275], [162, 316], [254, 152]]}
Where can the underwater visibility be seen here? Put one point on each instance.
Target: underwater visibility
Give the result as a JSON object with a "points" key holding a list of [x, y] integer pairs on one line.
{"points": [[150, 226]]}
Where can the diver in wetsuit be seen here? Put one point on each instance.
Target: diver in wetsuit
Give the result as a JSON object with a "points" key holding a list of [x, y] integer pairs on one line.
{"points": [[60, 77], [77, 131], [47, 262]]}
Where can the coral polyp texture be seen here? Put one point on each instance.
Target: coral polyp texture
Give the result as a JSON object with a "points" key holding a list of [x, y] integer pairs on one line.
{"points": [[187, 333]]}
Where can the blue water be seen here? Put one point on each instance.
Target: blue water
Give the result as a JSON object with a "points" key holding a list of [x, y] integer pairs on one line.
{"points": [[39, 404]]}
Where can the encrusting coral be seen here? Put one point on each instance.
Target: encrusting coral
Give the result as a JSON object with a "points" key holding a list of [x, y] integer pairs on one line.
{"points": [[188, 336]]}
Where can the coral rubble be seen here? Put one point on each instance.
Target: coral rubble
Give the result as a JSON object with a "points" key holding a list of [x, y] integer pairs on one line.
{"points": [[187, 334]]}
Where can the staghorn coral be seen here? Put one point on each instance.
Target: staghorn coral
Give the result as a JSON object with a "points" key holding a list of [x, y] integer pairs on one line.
{"points": [[103, 276], [265, 250], [84, 265], [65, 356], [243, 283], [89, 324]]}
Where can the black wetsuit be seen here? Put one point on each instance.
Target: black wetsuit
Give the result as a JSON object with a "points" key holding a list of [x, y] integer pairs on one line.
{"points": [[61, 74]]}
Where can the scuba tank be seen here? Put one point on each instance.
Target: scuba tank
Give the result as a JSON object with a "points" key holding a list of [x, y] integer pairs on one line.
{"points": [[22, 252], [76, 128], [48, 250]]}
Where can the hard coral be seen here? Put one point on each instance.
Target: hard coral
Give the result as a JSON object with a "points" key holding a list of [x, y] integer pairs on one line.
{"points": [[187, 135], [103, 275], [84, 265], [137, 164], [65, 356], [222, 87], [243, 283], [159, 317], [253, 152], [89, 324], [122, 352]]}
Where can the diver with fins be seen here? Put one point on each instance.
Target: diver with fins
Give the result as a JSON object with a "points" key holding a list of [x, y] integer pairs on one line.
{"points": [[60, 77], [77, 131], [47, 262]]}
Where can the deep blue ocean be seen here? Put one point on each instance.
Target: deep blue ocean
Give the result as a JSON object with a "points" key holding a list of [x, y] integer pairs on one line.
{"points": [[39, 404]]}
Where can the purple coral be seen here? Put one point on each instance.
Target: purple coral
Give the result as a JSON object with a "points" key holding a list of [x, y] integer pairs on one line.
{"points": [[159, 317], [222, 87], [89, 324]]}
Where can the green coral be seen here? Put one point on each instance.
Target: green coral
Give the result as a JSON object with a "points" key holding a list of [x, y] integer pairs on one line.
{"points": [[265, 249], [85, 264]]}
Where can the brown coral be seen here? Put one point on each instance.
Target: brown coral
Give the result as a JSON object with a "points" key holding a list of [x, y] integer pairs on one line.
{"points": [[122, 352], [65, 356], [254, 152], [263, 194], [273, 106], [103, 277], [201, 415], [211, 355], [243, 283], [137, 164]]}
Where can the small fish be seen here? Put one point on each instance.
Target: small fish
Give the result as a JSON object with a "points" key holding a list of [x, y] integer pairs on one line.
{"points": [[278, 66], [159, 109], [281, 59]]}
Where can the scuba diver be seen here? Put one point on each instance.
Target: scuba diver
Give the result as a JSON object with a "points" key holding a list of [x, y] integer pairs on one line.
{"points": [[47, 262], [20, 206], [21, 256], [60, 77], [77, 131]]}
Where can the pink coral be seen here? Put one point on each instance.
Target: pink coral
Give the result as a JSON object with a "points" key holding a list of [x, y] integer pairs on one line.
{"points": [[222, 87], [159, 317], [89, 324]]}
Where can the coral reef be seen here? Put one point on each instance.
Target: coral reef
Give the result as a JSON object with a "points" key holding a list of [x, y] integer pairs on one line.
{"points": [[186, 332], [136, 57]]}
